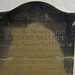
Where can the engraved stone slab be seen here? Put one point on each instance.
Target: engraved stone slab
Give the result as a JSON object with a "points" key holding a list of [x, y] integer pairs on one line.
{"points": [[36, 39]]}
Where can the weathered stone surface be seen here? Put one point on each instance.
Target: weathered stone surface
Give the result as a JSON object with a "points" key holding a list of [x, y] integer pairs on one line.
{"points": [[36, 39]]}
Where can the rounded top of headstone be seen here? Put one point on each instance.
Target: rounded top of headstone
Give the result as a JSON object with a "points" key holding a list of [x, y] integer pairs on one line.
{"points": [[37, 8]]}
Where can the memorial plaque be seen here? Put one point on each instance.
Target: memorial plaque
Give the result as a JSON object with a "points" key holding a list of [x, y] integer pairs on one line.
{"points": [[36, 39]]}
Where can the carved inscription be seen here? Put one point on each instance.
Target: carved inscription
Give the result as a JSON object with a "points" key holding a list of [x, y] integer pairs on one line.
{"points": [[35, 49]]}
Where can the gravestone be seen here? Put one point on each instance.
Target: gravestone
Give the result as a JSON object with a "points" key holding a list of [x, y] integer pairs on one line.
{"points": [[36, 39]]}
